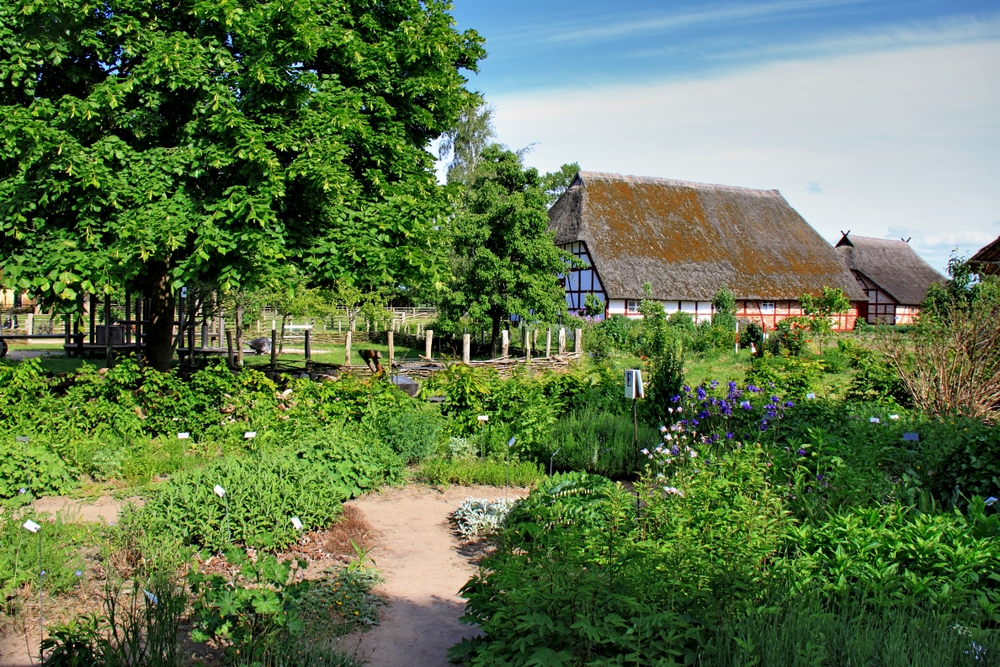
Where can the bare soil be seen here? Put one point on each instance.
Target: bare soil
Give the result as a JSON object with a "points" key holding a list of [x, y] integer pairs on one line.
{"points": [[424, 566], [412, 543]]}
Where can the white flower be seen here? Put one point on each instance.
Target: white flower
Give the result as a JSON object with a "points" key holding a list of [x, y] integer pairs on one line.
{"points": [[674, 490], [875, 420], [893, 416], [694, 454], [663, 429]]}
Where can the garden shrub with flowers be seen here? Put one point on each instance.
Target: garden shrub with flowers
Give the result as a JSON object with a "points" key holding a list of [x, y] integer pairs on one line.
{"points": [[755, 507]]}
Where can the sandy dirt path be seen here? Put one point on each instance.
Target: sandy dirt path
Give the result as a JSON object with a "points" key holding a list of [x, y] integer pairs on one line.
{"points": [[424, 567]]}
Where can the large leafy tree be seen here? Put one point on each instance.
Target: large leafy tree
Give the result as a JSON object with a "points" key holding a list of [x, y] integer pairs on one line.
{"points": [[153, 145], [505, 262]]}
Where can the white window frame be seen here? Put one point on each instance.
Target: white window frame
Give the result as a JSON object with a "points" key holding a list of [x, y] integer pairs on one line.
{"points": [[767, 308]]}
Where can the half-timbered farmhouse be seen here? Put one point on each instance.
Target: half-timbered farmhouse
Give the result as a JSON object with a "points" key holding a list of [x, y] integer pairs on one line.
{"points": [[893, 276], [986, 262], [688, 241]]}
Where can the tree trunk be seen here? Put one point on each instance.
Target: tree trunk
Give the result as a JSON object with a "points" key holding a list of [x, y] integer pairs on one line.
{"points": [[160, 328], [494, 335]]}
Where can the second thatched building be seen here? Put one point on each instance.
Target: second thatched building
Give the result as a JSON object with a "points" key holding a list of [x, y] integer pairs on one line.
{"points": [[688, 241]]}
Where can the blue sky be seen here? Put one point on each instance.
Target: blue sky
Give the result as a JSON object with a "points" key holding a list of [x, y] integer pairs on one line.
{"points": [[878, 117]]}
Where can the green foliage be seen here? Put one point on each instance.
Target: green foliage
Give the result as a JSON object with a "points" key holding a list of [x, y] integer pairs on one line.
{"points": [[724, 303], [411, 433], [263, 493], [810, 630], [248, 615], [506, 263], [340, 603], [895, 555], [875, 379], [752, 333], [485, 472], [216, 143], [478, 517], [788, 337], [597, 442], [793, 377], [556, 182], [139, 626], [62, 542]]}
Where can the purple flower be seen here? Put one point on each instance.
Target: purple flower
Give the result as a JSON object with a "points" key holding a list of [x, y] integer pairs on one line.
{"points": [[694, 422], [789, 404], [729, 435], [802, 452], [775, 399], [701, 393], [752, 389], [771, 413], [687, 389], [675, 399], [715, 437], [763, 426], [732, 385], [675, 450], [746, 405], [714, 384], [704, 414]]}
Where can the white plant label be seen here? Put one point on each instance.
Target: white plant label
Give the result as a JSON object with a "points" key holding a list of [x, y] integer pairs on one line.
{"points": [[483, 418], [510, 443], [219, 491], [22, 438], [811, 396], [296, 523], [875, 420], [183, 436], [31, 526], [250, 435]]}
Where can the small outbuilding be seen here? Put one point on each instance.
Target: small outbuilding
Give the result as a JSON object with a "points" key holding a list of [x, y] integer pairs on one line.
{"points": [[986, 262], [894, 277], [688, 241]]}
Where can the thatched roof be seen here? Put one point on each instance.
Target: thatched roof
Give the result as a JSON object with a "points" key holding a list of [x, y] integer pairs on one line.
{"points": [[688, 240], [987, 260], [892, 265]]}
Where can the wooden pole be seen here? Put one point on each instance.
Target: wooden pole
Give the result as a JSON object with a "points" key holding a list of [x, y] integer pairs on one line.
{"points": [[504, 342], [392, 349], [548, 342], [562, 341], [308, 349], [578, 341], [229, 347], [429, 343], [93, 321], [527, 346], [109, 350], [347, 349], [274, 346], [128, 318], [466, 348]]}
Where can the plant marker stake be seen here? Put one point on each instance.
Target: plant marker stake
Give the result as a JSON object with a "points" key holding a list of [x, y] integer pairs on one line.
{"points": [[551, 460], [221, 492], [482, 419], [250, 435], [184, 452], [296, 523], [33, 527], [911, 437], [23, 439], [506, 479]]}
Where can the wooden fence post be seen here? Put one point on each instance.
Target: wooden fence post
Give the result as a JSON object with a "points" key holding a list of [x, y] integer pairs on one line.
{"points": [[578, 341], [548, 342], [392, 349], [229, 347], [428, 344], [466, 348], [347, 349], [504, 343], [562, 341], [274, 346], [308, 349], [527, 346]]}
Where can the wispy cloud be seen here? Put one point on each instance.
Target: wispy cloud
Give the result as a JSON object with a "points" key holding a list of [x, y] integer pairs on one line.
{"points": [[611, 27]]}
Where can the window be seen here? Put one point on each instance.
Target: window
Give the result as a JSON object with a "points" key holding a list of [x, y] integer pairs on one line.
{"points": [[631, 306], [767, 307]]}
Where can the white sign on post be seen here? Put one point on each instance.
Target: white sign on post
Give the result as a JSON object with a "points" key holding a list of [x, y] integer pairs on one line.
{"points": [[250, 435], [483, 418], [31, 526], [183, 436], [633, 384], [219, 491], [296, 523]]}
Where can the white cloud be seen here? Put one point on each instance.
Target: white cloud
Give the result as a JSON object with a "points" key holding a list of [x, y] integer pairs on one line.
{"points": [[900, 140]]}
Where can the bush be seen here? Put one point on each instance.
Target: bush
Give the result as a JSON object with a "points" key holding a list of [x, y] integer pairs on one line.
{"points": [[875, 380], [411, 433], [596, 442], [477, 517], [262, 492], [486, 472]]}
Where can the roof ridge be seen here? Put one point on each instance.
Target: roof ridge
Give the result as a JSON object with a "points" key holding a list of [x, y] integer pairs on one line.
{"points": [[875, 238], [654, 180]]}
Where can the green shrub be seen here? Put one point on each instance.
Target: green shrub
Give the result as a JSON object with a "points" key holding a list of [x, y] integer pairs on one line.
{"points": [[894, 555], [411, 433], [263, 493], [597, 442], [875, 380], [486, 472]]}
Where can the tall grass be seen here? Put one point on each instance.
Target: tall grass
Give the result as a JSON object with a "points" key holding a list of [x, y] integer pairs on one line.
{"points": [[599, 442], [809, 633]]}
